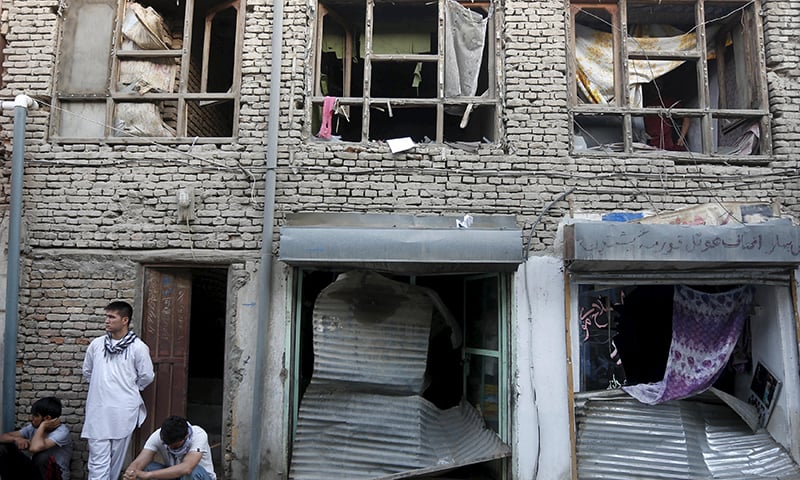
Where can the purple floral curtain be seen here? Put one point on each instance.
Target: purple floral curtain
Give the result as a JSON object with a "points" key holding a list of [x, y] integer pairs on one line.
{"points": [[705, 328]]}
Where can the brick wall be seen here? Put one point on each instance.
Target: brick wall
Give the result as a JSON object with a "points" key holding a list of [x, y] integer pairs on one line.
{"points": [[87, 207], [62, 300]]}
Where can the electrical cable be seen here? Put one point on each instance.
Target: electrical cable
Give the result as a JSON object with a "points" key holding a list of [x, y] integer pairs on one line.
{"points": [[539, 218]]}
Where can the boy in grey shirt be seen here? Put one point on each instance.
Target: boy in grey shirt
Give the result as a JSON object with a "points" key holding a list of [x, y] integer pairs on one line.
{"points": [[42, 449]]}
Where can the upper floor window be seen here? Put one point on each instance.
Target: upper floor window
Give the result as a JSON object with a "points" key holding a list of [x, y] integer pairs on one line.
{"points": [[161, 70], [645, 82], [419, 69]]}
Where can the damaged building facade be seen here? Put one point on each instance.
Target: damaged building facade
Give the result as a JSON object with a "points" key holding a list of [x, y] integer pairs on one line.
{"points": [[504, 239]]}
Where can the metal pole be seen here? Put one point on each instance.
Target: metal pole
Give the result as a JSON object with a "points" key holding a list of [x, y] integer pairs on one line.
{"points": [[21, 104], [265, 268]]}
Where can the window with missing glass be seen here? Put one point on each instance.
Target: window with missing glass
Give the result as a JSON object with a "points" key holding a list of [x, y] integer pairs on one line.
{"points": [[419, 69], [147, 71], [686, 77]]}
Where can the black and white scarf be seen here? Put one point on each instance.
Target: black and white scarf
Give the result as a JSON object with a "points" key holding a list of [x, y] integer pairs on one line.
{"points": [[120, 346]]}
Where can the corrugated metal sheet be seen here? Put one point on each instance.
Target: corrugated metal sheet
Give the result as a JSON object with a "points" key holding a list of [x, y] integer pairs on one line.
{"points": [[362, 416], [401, 243], [372, 330], [620, 438], [353, 435]]}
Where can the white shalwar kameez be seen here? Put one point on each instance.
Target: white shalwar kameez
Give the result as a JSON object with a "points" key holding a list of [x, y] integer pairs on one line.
{"points": [[114, 405]]}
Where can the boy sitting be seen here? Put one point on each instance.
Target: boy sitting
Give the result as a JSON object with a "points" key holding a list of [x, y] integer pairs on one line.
{"points": [[42, 449]]}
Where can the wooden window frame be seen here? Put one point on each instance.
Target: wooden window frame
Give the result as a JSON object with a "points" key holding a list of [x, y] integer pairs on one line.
{"points": [[756, 76], [439, 102], [182, 95]]}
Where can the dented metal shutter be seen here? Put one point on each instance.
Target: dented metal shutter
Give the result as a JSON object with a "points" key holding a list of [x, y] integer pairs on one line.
{"points": [[697, 438], [363, 415]]}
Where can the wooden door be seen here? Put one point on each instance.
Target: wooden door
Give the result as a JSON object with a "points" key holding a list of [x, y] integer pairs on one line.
{"points": [[165, 329]]}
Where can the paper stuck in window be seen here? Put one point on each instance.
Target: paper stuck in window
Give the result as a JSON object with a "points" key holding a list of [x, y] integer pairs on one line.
{"points": [[400, 144]]}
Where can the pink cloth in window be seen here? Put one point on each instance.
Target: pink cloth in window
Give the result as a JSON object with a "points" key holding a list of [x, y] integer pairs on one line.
{"points": [[327, 116]]}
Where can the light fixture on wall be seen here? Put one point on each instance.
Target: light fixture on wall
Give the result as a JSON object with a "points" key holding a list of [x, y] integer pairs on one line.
{"points": [[184, 199]]}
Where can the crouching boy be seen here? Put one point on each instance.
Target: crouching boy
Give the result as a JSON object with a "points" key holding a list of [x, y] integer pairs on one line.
{"points": [[184, 449]]}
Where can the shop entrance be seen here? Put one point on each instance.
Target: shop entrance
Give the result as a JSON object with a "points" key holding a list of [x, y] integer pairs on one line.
{"points": [[689, 370], [475, 368]]}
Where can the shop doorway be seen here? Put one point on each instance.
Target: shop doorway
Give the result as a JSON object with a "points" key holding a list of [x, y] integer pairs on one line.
{"points": [[183, 323], [475, 370], [702, 367]]}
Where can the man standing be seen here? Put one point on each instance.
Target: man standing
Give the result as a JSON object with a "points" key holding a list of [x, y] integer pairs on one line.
{"points": [[42, 449], [183, 447], [118, 367]]}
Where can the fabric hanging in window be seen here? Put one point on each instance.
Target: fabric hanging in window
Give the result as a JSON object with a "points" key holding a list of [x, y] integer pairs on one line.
{"points": [[594, 54], [705, 329], [465, 38]]}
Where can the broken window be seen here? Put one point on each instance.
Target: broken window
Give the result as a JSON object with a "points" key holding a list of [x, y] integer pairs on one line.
{"points": [[620, 349], [401, 377], [644, 82], [705, 365], [418, 69], [149, 71]]}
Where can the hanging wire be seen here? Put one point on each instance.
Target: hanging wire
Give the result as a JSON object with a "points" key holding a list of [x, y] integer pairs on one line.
{"points": [[561, 196], [161, 146]]}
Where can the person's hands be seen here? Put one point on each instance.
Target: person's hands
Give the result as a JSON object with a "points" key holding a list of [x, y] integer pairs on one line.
{"points": [[51, 424], [133, 474], [22, 443]]}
